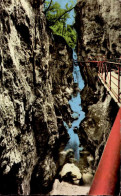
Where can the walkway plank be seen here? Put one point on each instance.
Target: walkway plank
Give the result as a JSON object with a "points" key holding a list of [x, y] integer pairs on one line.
{"points": [[114, 85]]}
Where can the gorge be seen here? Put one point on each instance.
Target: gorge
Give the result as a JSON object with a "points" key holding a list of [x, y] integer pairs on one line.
{"points": [[36, 84]]}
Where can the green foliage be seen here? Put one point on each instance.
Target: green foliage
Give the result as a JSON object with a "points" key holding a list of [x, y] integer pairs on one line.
{"points": [[68, 33], [57, 17]]}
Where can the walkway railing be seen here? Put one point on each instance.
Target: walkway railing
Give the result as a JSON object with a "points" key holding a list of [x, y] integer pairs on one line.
{"points": [[109, 73], [107, 175]]}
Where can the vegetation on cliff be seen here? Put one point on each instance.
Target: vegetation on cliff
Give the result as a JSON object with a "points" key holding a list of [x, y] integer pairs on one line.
{"points": [[57, 17]]}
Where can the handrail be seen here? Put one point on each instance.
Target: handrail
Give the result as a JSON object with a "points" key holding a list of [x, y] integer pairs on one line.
{"points": [[106, 176], [115, 63], [106, 74]]}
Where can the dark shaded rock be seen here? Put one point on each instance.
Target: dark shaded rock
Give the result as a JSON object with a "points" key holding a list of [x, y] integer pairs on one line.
{"points": [[99, 107], [98, 28], [32, 85]]}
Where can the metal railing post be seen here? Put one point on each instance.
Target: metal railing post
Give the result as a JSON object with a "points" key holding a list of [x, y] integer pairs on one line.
{"points": [[108, 74], [119, 83]]}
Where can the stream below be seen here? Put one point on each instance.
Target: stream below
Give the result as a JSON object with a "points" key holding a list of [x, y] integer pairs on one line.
{"points": [[78, 115], [66, 183]]}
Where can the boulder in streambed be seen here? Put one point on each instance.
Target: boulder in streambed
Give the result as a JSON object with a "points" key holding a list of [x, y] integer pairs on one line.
{"points": [[66, 157], [87, 178], [70, 173]]}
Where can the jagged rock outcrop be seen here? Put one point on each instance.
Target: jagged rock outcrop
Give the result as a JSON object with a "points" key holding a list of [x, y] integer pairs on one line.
{"points": [[98, 25], [30, 124], [100, 113], [99, 32], [61, 65], [70, 172]]}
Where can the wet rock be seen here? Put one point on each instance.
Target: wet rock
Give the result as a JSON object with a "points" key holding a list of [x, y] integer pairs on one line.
{"points": [[75, 117]]}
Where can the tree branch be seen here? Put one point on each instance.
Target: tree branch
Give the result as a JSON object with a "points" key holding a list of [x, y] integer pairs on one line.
{"points": [[62, 15], [48, 7]]}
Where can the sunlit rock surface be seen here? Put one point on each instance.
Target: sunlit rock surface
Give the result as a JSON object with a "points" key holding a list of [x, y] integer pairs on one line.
{"points": [[32, 103], [64, 188], [71, 173], [35, 86]]}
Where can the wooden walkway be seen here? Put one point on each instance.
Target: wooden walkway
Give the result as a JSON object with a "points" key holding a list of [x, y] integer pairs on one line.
{"points": [[110, 75], [113, 87]]}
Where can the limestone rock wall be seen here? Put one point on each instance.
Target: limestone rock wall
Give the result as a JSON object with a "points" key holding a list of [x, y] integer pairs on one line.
{"points": [[100, 110], [100, 28], [98, 24], [30, 125]]}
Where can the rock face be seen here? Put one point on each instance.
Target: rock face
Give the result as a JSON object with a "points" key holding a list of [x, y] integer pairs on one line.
{"points": [[70, 172], [65, 188], [100, 113], [32, 103], [66, 157], [98, 25], [99, 31]]}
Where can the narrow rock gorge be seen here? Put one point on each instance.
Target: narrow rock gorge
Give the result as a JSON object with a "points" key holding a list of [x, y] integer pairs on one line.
{"points": [[36, 84]]}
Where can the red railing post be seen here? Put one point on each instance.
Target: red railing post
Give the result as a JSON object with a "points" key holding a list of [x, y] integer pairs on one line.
{"points": [[119, 83], [104, 73], [106, 176]]}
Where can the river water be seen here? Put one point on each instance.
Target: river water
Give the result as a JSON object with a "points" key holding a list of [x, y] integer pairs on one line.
{"points": [[78, 115]]}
